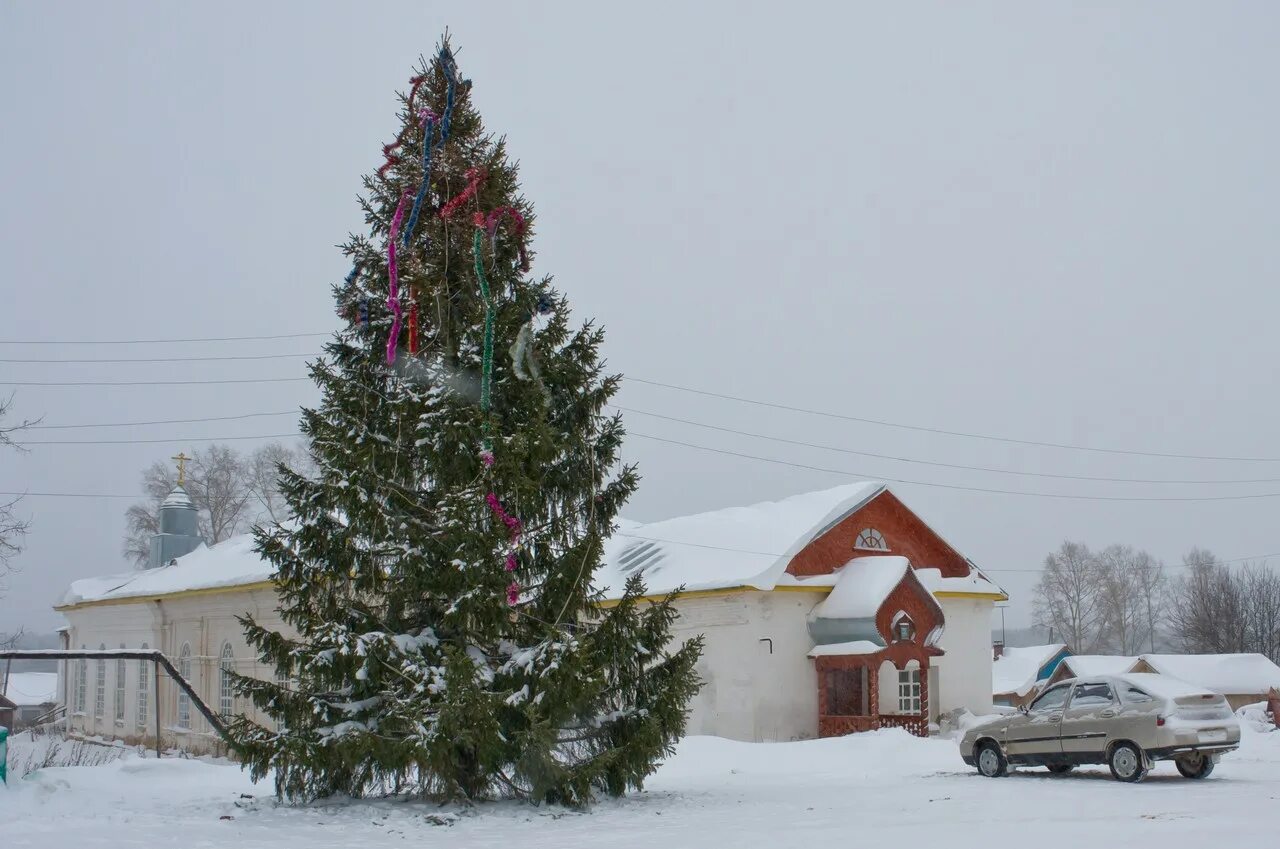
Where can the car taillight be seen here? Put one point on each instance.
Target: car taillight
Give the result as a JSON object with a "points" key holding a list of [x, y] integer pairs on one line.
{"points": [[1159, 721]]}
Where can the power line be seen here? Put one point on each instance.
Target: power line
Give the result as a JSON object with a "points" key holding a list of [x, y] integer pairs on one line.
{"points": [[167, 359], [722, 429], [741, 455], [157, 341], [982, 569], [677, 387], [960, 487], [944, 432], [932, 462], [150, 382], [164, 421], [157, 441]]}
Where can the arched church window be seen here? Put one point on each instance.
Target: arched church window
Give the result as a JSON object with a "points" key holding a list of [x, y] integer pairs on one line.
{"points": [[869, 539], [143, 688], [82, 680], [100, 690], [226, 689], [121, 672], [184, 701]]}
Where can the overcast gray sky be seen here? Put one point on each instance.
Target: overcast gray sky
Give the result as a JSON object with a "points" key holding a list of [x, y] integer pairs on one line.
{"points": [[1048, 222]]}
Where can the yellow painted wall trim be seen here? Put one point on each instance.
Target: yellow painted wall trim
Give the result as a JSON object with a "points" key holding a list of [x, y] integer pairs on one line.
{"points": [[143, 599], [991, 596], [263, 585]]}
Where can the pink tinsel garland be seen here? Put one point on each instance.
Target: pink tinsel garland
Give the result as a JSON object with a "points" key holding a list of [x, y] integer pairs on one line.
{"points": [[475, 176]]}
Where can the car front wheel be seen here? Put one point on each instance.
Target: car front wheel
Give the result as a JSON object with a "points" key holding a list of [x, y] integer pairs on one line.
{"points": [[1195, 765], [991, 761], [1127, 763]]}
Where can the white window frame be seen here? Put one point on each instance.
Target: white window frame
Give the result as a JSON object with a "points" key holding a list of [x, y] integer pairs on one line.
{"points": [[226, 689], [82, 681], [121, 675], [100, 687], [283, 680], [909, 701], [184, 701], [870, 539], [142, 690]]}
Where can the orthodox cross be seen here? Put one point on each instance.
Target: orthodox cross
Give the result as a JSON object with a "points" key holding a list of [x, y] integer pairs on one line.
{"points": [[182, 467]]}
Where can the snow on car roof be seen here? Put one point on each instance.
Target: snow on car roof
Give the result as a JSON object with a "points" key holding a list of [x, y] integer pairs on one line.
{"points": [[1081, 665], [1162, 685]]}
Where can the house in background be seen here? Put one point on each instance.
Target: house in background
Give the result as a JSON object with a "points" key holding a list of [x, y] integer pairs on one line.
{"points": [[1085, 665], [1243, 678], [30, 694], [1018, 674], [823, 613], [7, 712]]}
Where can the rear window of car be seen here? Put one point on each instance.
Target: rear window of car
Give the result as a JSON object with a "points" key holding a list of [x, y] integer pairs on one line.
{"points": [[1133, 695], [1088, 695]]}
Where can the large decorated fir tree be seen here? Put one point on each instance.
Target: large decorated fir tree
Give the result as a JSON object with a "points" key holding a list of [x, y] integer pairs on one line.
{"points": [[438, 575]]}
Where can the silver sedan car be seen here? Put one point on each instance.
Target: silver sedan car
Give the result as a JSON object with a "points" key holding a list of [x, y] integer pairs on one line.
{"points": [[1125, 721]]}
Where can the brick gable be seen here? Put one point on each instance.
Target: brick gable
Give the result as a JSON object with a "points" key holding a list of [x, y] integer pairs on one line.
{"points": [[903, 531]]}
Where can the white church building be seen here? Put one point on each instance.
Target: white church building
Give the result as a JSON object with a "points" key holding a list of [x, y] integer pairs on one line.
{"points": [[824, 613]]}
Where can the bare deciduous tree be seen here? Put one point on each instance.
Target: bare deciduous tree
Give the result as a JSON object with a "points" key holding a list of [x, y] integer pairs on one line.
{"points": [[1215, 610], [1132, 586], [1069, 598], [263, 473], [13, 527], [231, 491]]}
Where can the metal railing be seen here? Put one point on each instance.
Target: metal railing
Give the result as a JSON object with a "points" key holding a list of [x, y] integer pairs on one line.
{"points": [[156, 657]]}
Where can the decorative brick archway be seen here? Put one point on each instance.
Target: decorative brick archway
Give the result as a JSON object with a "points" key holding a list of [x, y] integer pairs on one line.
{"points": [[849, 690]]}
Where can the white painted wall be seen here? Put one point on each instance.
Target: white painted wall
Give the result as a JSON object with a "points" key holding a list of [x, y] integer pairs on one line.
{"points": [[964, 671], [750, 694], [204, 621], [749, 691]]}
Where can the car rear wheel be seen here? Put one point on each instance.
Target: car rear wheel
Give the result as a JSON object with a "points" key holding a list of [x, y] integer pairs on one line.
{"points": [[1127, 763], [1195, 765], [991, 761], [1061, 769]]}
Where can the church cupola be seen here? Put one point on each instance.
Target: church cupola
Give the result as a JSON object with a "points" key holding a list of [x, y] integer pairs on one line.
{"points": [[179, 533]]}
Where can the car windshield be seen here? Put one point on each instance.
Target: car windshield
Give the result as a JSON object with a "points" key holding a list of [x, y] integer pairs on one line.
{"points": [[1051, 700]]}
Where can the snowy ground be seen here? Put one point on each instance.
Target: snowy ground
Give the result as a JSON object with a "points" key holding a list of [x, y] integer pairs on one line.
{"points": [[881, 789]]}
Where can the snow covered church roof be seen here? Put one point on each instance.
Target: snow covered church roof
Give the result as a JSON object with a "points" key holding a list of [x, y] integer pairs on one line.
{"points": [[862, 585], [733, 547], [230, 563]]}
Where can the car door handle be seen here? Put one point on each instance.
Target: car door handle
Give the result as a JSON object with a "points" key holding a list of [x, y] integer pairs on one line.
{"points": [[1055, 717], [1108, 713]]}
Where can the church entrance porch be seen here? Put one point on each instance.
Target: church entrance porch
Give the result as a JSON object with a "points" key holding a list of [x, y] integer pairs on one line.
{"points": [[865, 687]]}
